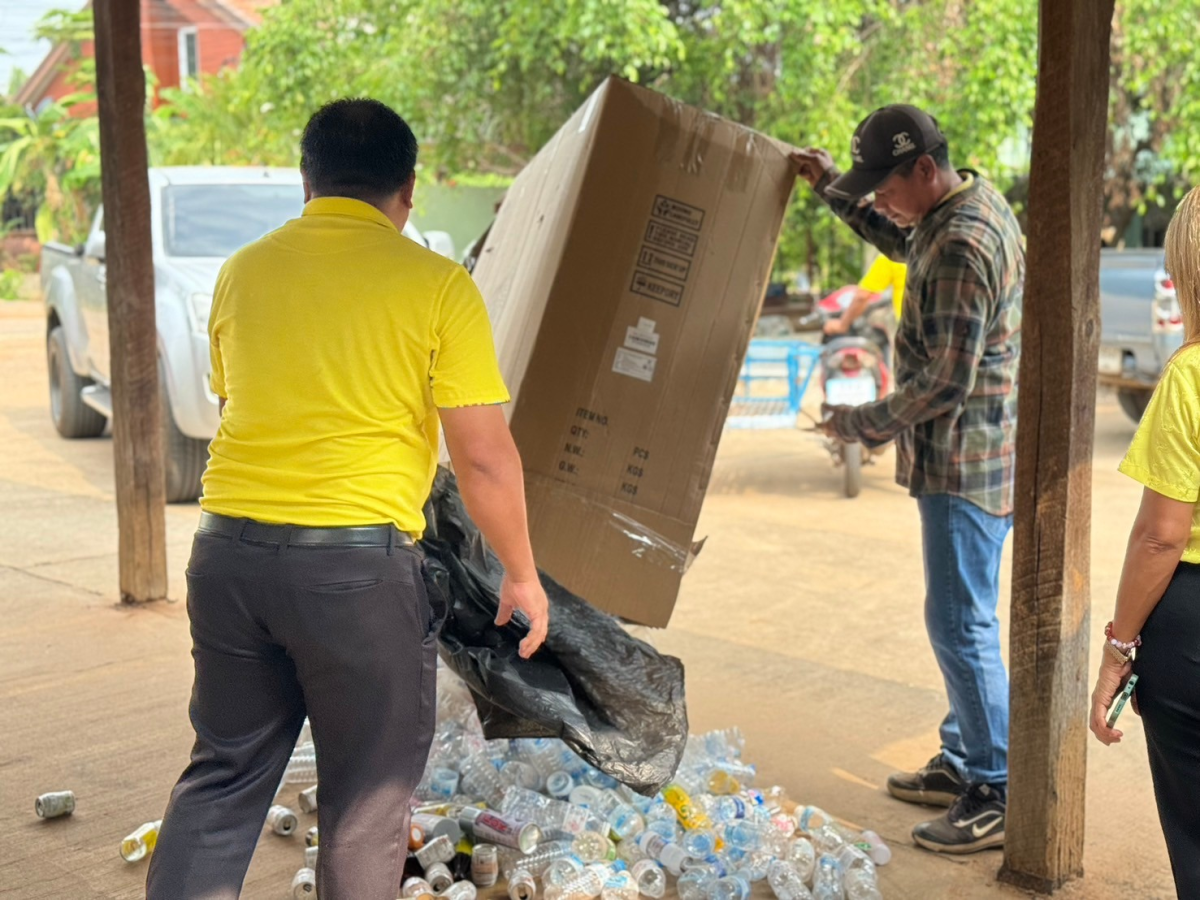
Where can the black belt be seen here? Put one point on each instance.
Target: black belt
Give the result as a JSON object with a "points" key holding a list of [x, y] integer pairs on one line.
{"points": [[304, 535]]}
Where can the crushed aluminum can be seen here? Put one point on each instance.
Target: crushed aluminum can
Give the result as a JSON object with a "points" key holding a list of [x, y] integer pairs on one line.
{"points": [[308, 800], [304, 884], [55, 804], [439, 850], [439, 877], [282, 821]]}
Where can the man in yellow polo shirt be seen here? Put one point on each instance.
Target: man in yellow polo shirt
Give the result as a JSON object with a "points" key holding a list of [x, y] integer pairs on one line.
{"points": [[883, 274], [338, 346]]}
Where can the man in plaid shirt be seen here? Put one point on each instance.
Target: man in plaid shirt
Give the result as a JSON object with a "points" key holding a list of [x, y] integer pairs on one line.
{"points": [[953, 417]]}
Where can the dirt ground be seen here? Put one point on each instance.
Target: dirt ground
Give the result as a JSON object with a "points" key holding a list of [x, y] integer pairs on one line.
{"points": [[801, 622]]}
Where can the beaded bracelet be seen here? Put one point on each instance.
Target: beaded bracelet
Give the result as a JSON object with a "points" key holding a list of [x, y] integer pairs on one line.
{"points": [[1123, 646]]}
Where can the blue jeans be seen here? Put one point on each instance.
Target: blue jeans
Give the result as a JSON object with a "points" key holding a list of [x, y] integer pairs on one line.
{"points": [[962, 546]]}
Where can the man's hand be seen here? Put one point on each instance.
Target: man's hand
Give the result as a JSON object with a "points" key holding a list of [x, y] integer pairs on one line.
{"points": [[811, 164], [830, 414], [836, 326], [530, 598]]}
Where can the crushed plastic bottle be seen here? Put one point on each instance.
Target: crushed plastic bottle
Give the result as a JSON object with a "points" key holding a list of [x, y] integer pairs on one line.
{"points": [[650, 878], [671, 855], [803, 856], [828, 879], [562, 871], [591, 847], [302, 767], [695, 884], [140, 843], [563, 830], [731, 887], [786, 881], [620, 886]]}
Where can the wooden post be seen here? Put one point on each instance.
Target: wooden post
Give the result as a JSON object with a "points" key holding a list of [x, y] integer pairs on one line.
{"points": [[137, 426], [1061, 335]]}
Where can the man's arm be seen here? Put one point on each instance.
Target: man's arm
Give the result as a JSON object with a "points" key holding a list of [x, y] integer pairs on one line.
{"points": [[492, 483], [858, 305], [817, 168], [955, 334]]}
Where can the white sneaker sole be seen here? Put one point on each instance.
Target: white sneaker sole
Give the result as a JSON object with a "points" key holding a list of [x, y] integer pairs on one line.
{"points": [[923, 798], [985, 842]]}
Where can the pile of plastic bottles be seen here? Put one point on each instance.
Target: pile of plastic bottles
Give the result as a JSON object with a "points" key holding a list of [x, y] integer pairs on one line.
{"points": [[532, 815]]}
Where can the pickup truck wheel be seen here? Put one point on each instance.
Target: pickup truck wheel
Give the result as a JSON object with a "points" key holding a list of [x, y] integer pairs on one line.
{"points": [[184, 458], [1134, 402], [72, 417]]}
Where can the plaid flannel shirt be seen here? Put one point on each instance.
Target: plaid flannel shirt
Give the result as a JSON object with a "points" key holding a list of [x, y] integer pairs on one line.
{"points": [[953, 414]]}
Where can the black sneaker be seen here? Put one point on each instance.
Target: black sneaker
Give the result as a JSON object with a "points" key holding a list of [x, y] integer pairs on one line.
{"points": [[935, 784], [974, 822]]}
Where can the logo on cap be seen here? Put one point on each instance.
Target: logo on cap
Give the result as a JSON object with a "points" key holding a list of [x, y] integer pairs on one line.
{"points": [[855, 152], [902, 143]]}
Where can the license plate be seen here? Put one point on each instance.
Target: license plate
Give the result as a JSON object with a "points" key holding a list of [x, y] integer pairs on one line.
{"points": [[1112, 360], [849, 391]]}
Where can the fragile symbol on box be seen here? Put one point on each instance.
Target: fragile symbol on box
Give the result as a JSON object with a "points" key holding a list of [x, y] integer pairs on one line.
{"points": [[634, 364]]}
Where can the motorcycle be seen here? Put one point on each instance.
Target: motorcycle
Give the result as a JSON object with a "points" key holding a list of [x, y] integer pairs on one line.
{"points": [[854, 369]]}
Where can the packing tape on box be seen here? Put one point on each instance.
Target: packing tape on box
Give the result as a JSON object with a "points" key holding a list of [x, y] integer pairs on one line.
{"points": [[741, 162], [670, 129], [652, 547], [696, 151]]}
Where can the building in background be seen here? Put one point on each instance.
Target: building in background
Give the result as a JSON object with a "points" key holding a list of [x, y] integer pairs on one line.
{"points": [[181, 40]]}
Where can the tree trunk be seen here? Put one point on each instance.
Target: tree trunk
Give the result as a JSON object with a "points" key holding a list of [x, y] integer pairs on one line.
{"points": [[1050, 604], [137, 429]]}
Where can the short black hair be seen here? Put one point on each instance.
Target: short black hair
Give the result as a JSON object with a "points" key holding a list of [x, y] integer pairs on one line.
{"points": [[357, 147]]}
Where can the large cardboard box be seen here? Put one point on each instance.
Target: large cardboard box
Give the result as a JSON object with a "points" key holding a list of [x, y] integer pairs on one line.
{"points": [[623, 277]]}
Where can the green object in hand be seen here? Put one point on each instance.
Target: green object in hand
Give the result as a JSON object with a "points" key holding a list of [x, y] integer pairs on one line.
{"points": [[1122, 699]]}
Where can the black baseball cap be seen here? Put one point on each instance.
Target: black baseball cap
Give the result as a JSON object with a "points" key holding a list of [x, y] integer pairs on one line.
{"points": [[883, 142]]}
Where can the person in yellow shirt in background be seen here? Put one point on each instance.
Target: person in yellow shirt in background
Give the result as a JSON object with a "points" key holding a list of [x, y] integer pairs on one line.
{"points": [[882, 274], [338, 346], [1155, 630]]}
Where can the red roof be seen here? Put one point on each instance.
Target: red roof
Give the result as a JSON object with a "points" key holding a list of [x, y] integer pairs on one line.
{"points": [[249, 10]]}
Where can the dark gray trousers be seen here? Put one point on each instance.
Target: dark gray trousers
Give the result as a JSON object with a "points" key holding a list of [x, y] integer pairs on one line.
{"points": [[344, 635]]}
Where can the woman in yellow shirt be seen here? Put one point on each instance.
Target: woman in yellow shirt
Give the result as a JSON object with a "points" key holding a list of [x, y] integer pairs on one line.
{"points": [[1157, 618]]}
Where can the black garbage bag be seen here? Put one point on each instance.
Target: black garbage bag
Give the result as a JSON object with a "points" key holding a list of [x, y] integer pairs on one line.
{"points": [[613, 699]]}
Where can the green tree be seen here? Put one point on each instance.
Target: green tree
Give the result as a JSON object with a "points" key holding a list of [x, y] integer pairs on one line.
{"points": [[1154, 135], [55, 157]]}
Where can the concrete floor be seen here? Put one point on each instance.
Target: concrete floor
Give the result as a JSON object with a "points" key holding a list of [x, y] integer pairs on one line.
{"points": [[800, 622]]}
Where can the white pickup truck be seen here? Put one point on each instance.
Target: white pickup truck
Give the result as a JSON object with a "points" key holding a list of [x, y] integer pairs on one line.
{"points": [[199, 217]]}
